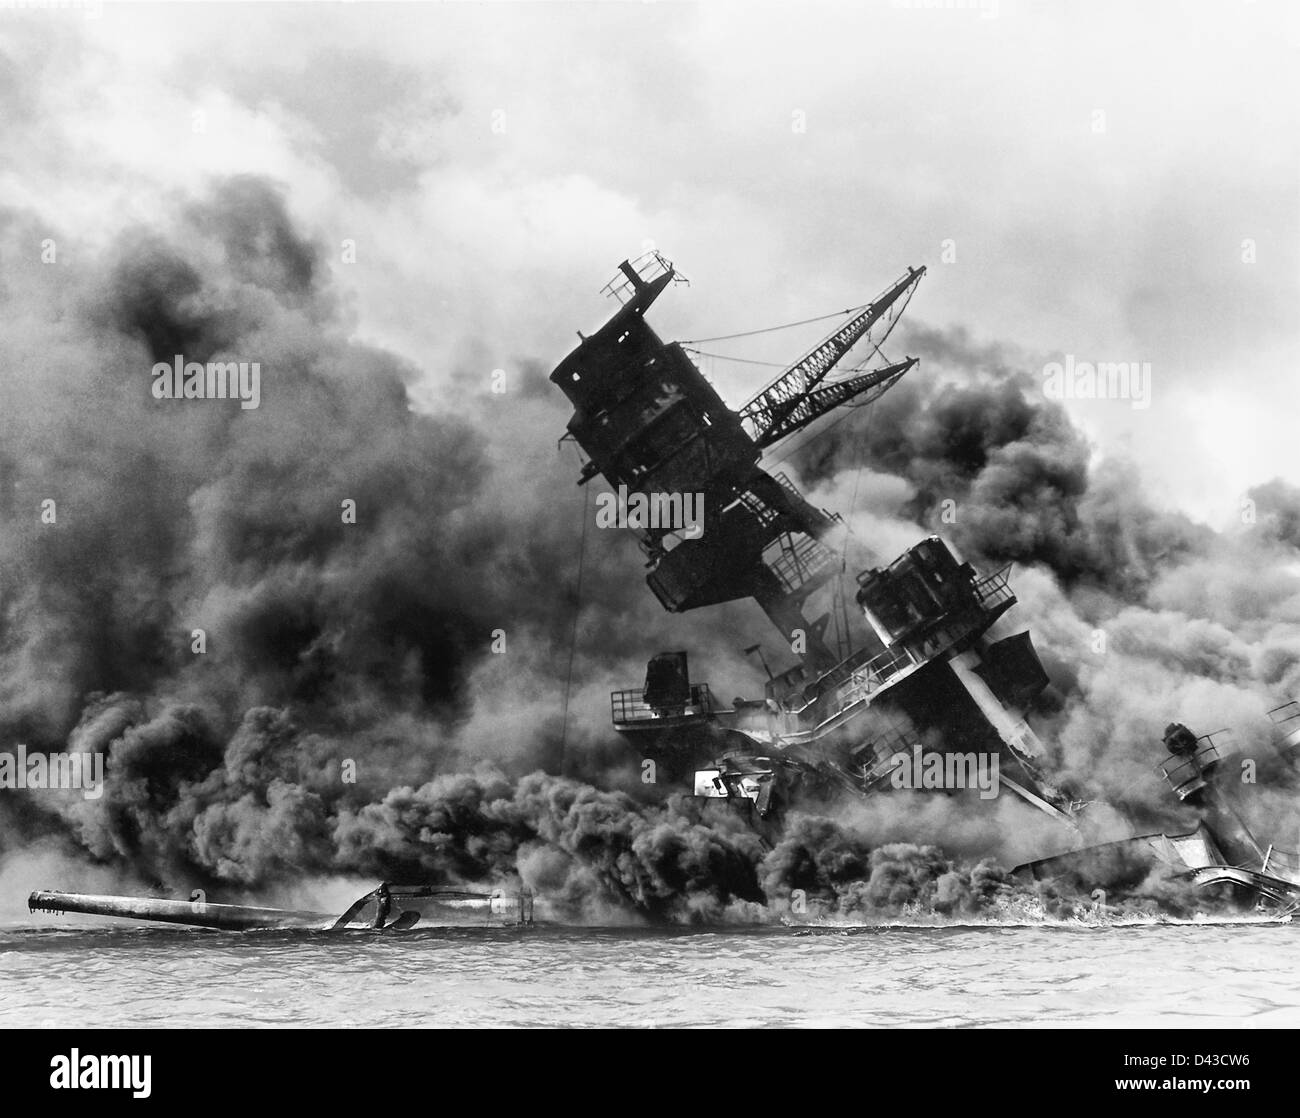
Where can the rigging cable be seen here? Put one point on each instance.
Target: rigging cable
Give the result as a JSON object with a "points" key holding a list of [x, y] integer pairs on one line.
{"points": [[737, 360], [853, 504], [573, 637], [771, 329]]}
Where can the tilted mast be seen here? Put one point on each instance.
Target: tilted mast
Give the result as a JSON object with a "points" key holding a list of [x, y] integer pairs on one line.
{"points": [[650, 422]]}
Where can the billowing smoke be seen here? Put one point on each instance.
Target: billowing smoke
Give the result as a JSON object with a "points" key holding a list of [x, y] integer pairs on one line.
{"points": [[1142, 616], [1276, 504], [975, 436], [329, 636], [269, 618]]}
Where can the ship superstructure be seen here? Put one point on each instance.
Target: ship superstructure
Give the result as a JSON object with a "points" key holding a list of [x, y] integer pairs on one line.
{"points": [[652, 425], [924, 676]]}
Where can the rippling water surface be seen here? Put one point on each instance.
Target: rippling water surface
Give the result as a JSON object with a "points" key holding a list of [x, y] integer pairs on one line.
{"points": [[1245, 975]]}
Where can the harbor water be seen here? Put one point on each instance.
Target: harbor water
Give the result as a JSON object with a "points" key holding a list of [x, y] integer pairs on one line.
{"points": [[1221, 975]]}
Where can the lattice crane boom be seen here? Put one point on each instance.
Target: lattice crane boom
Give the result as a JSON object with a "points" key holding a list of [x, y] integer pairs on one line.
{"points": [[771, 410], [813, 405]]}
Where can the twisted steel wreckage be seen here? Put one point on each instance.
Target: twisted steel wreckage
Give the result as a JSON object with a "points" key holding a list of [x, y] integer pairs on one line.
{"points": [[926, 694], [907, 689]]}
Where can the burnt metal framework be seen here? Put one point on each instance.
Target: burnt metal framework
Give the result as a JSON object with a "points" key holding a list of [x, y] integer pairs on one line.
{"points": [[648, 420]]}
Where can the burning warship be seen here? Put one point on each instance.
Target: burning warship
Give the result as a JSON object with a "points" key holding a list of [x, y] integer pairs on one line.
{"points": [[920, 687], [901, 674]]}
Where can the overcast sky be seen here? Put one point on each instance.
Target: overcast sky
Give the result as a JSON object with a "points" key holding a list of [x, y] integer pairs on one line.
{"points": [[1096, 168]]}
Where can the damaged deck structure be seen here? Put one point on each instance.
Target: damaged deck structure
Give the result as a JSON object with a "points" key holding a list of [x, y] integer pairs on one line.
{"points": [[918, 666]]}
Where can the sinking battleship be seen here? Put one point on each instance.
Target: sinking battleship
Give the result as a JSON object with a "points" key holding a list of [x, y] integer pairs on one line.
{"points": [[907, 683], [923, 684]]}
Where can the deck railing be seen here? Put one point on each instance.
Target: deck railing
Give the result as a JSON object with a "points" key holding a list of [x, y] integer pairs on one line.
{"points": [[630, 706], [1287, 720], [1187, 774], [995, 590]]}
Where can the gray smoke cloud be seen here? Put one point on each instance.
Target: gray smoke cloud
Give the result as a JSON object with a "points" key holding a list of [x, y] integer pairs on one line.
{"points": [[975, 429]]}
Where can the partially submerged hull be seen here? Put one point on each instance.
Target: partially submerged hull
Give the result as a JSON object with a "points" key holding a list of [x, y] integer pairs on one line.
{"points": [[387, 908], [198, 914]]}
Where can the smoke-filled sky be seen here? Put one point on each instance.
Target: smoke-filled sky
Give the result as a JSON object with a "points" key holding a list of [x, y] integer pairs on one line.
{"points": [[494, 162], [383, 204]]}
